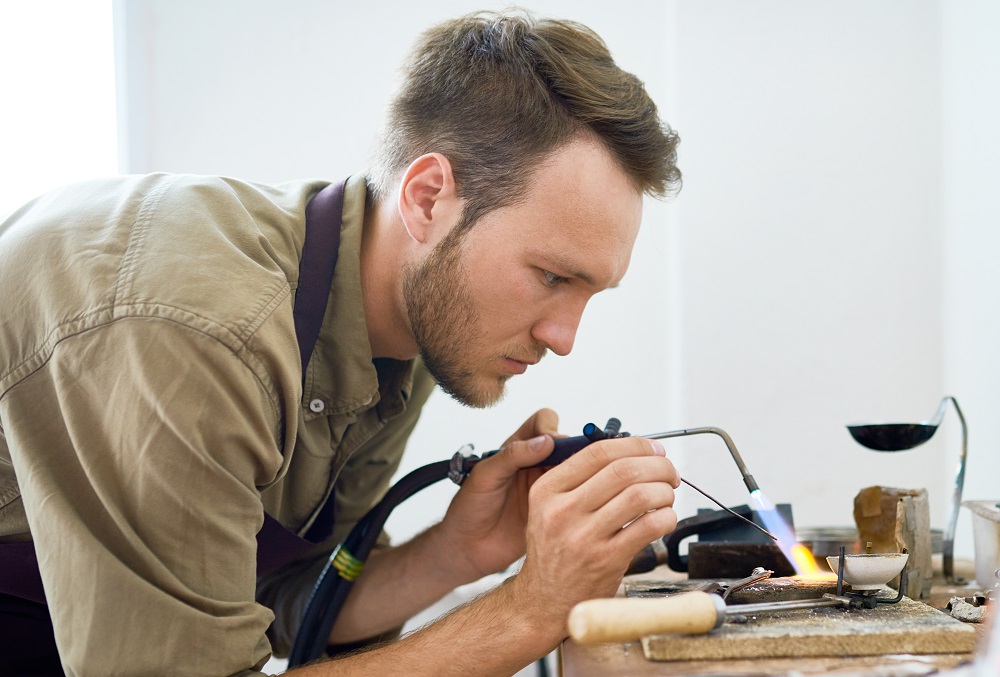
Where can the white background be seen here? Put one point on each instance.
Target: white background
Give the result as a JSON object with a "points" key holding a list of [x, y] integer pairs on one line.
{"points": [[57, 96], [831, 258]]}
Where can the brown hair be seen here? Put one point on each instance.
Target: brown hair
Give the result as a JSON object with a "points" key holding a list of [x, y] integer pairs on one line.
{"points": [[496, 92]]}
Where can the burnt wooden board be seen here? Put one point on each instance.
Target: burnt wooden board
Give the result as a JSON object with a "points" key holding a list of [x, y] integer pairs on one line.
{"points": [[907, 627]]}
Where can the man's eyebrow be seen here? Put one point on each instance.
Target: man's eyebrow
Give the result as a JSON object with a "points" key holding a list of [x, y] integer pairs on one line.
{"points": [[570, 270]]}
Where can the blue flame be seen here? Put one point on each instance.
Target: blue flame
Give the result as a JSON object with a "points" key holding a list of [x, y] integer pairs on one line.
{"points": [[776, 524]]}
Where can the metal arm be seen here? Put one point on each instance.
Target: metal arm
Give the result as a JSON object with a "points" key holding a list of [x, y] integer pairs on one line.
{"points": [[747, 477], [948, 542]]}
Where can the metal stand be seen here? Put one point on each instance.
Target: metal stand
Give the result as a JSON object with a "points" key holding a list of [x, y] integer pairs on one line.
{"points": [[866, 599]]}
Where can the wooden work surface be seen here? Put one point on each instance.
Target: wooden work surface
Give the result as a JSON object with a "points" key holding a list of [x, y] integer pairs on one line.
{"points": [[629, 659]]}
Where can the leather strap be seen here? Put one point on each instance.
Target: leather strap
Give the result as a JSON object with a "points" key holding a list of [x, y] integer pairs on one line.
{"points": [[324, 215], [278, 546]]}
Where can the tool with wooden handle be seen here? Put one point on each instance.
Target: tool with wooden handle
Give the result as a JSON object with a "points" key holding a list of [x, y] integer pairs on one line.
{"points": [[624, 620], [596, 621]]}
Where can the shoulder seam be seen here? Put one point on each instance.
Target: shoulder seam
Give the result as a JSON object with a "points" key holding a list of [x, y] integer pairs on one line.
{"points": [[126, 272]]}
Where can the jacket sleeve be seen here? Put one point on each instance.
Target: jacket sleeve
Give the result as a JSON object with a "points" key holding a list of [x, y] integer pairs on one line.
{"points": [[139, 447]]}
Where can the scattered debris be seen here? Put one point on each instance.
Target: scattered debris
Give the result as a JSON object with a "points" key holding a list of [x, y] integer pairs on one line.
{"points": [[967, 611]]}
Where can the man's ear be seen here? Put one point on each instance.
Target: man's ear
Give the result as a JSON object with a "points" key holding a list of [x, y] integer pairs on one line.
{"points": [[428, 202]]}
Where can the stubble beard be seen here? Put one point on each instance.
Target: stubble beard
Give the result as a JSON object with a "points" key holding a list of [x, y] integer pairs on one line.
{"points": [[446, 325]]}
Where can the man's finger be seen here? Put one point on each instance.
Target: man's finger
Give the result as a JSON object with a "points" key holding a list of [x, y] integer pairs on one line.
{"points": [[645, 529], [499, 468], [619, 476], [542, 422], [525, 453], [593, 458], [633, 501]]}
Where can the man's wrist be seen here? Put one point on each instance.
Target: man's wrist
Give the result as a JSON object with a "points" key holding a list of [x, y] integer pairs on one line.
{"points": [[536, 626], [502, 620], [448, 557]]}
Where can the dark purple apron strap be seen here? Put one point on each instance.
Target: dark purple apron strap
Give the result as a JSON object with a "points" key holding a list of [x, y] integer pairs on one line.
{"points": [[324, 215], [19, 571], [276, 545]]}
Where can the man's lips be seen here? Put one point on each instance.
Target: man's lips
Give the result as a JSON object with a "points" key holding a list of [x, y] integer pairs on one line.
{"points": [[517, 366]]}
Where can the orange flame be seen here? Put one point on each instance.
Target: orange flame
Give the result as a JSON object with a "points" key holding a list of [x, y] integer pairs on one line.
{"points": [[805, 564], [798, 555]]}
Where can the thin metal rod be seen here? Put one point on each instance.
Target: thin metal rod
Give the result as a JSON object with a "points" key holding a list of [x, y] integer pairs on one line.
{"points": [[938, 416], [748, 479], [731, 512], [744, 609], [948, 544], [840, 571]]}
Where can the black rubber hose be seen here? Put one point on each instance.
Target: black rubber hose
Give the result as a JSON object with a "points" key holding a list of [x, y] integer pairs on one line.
{"points": [[337, 578], [345, 564]]}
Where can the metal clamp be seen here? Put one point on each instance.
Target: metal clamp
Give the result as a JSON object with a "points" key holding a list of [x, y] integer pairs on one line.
{"points": [[461, 464]]}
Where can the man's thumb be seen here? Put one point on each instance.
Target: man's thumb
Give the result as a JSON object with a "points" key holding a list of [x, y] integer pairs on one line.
{"points": [[526, 453]]}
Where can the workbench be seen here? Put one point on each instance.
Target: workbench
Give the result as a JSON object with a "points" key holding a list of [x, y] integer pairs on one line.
{"points": [[628, 658]]}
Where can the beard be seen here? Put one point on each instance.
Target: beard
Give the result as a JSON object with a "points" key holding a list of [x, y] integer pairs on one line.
{"points": [[447, 326]]}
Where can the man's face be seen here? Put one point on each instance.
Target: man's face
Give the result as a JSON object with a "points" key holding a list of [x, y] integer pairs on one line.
{"points": [[485, 305]]}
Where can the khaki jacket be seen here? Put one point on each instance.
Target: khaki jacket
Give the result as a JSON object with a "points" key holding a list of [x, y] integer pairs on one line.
{"points": [[151, 410]]}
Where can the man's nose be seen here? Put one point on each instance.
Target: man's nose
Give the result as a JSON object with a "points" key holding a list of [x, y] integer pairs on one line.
{"points": [[557, 329]]}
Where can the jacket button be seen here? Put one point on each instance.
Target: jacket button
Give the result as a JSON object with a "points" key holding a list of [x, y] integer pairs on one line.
{"points": [[317, 406]]}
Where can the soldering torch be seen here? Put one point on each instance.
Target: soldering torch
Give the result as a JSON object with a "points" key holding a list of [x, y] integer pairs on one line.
{"points": [[462, 462], [347, 561]]}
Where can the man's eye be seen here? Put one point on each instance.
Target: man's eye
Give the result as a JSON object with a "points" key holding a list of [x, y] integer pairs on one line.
{"points": [[552, 280]]}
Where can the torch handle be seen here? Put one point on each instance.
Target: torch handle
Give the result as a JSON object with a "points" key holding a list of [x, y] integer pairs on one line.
{"points": [[625, 620]]}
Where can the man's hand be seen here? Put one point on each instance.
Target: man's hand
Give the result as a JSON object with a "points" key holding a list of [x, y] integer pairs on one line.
{"points": [[580, 522], [485, 525], [587, 518]]}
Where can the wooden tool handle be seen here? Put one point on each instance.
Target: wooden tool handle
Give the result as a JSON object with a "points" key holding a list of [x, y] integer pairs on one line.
{"points": [[626, 620]]}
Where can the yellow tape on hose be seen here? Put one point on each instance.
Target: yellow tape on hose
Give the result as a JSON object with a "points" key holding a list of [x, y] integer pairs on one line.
{"points": [[347, 565]]}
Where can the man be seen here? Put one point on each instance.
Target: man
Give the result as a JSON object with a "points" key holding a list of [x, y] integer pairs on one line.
{"points": [[154, 411]]}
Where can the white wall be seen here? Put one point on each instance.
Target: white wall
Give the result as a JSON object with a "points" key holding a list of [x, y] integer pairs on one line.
{"points": [[971, 67], [809, 240], [797, 283], [47, 69]]}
